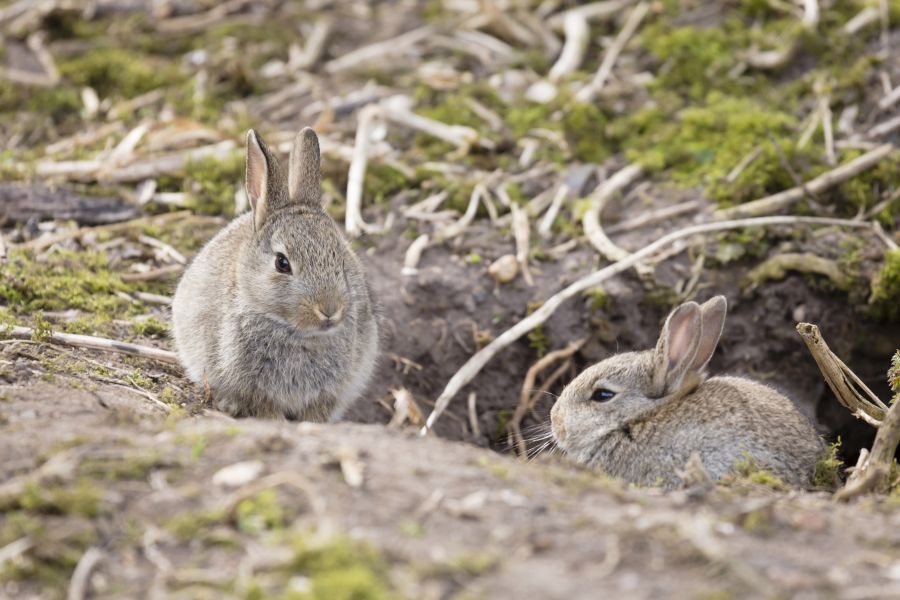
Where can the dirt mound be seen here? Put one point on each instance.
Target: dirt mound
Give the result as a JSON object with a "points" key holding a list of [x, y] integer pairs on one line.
{"points": [[210, 507]]}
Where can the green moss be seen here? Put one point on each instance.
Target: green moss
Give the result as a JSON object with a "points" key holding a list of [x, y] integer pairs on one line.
{"points": [[151, 327], [735, 245], [138, 379], [61, 280], [702, 144], [865, 189], [383, 182], [80, 498], [598, 297], [59, 103], [119, 72], [211, 184], [260, 513], [693, 60], [341, 569], [583, 125], [496, 469], [886, 288], [43, 330], [115, 468], [412, 528], [198, 448], [190, 524], [828, 468], [538, 340], [747, 469], [88, 324], [474, 565]]}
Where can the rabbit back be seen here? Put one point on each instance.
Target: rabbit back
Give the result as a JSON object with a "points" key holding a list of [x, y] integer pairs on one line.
{"points": [[730, 419]]}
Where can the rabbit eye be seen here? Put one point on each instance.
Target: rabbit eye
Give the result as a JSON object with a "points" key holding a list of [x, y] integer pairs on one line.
{"points": [[602, 395], [282, 264]]}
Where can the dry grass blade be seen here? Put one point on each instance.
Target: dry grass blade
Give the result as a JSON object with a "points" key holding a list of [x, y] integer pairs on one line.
{"points": [[474, 365]]}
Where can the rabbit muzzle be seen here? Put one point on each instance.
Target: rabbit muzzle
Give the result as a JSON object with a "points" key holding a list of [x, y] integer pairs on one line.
{"points": [[329, 313], [556, 424]]}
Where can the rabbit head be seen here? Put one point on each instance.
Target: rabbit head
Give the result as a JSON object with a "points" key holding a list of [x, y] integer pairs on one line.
{"points": [[297, 267], [626, 388]]}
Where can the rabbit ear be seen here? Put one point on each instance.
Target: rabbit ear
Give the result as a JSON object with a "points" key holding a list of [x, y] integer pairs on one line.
{"points": [[304, 174], [261, 175], [676, 347], [712, 316]]}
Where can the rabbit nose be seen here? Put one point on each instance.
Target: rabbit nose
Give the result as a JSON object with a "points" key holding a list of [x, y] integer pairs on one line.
{"points": [[330, 314]]}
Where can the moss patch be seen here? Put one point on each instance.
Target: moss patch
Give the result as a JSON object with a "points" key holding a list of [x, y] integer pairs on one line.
{"points": [[61, 280], [211, 184], [119, 72], [341, 569], [828, 468], [81, 498], [886, 288], [747, 469]]}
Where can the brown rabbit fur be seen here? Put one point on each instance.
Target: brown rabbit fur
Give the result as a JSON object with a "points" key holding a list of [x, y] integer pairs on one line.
{"points": [[640, 415], [275, 313]]}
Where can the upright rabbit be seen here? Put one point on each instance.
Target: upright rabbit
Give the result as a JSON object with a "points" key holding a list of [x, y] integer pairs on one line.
{"points": [[275, 314], [640, 415]]}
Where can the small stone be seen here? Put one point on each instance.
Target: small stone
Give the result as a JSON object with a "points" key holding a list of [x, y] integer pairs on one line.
{"points": [[541, 92], [504, 269], [238, 474]]}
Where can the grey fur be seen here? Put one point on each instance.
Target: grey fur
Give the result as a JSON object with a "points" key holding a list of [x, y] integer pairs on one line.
{"points": [[301, 344], [662, 413]]}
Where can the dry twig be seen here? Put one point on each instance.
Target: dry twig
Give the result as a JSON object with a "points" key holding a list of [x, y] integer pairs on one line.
{"points": [[587, 93], [825, 181], [849, 389], [78, 585], [604, 192], [577, 37], [873, 471], [96, 343]]}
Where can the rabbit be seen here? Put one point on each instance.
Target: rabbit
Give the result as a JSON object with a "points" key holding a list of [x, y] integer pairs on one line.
{"points": [[275, 315], [640, 415]]}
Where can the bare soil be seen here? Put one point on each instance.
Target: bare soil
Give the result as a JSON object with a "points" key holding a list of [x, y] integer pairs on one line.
{"points": [[446, 519]]}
